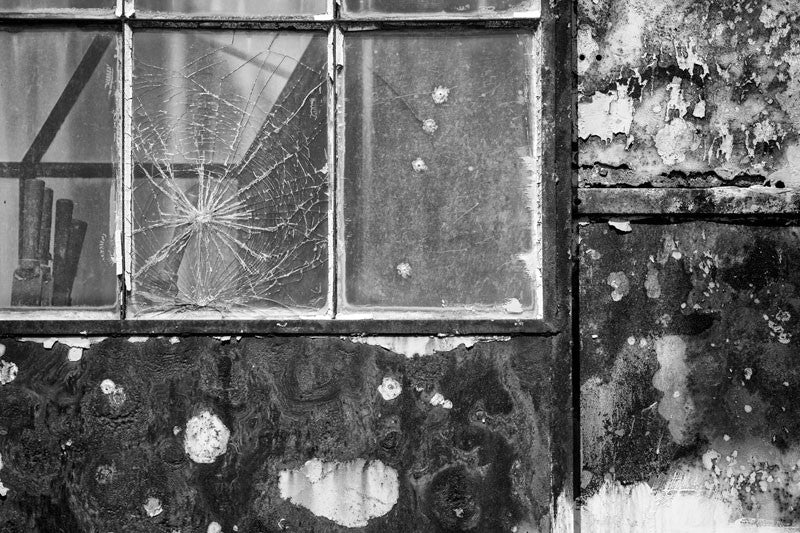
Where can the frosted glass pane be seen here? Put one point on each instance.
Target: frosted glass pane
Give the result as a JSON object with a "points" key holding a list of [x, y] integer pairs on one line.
{"points": [[486, 8], [239, 8], [441, 194]]}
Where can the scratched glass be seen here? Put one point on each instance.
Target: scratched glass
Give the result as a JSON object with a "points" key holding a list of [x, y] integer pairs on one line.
{"points": [[230, 173], [234, 8], [444, 8], [441, 195], [33, 6], [57, 168]]}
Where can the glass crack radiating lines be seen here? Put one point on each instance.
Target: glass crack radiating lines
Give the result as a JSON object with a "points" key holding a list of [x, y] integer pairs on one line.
{"points": [[230, 179]]}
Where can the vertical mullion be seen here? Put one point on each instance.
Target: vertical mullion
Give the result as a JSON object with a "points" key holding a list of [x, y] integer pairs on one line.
{"points": [[332, 174], [127, 166], [339, 252]]}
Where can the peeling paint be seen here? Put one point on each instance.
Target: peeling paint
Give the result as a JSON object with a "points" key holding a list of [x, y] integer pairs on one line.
{"points": [[414, 346], [606, 114], [676, 406], [8, 372], [349, 493], [619, 282], [152, 507], [206, 438], [651, 284], [390, 389], [76, 344]]}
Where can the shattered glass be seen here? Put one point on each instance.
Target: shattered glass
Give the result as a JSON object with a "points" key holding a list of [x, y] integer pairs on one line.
{"points": [[58, 165], [237, 8], [442, 7], [230, 184], [441, 199]]}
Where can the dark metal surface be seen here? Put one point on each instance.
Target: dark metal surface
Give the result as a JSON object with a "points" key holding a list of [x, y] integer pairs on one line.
{"points": [[49, 328]]}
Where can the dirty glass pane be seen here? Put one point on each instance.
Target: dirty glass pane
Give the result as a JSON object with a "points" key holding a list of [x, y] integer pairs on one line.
{"points": [[57, 152], [441, 195], [442, 7], [230, 172], [11, 6], [237, 8]]}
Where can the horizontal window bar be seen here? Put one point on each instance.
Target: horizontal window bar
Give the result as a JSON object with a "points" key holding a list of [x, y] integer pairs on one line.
{"points": [[674, 201], [51, 328]]}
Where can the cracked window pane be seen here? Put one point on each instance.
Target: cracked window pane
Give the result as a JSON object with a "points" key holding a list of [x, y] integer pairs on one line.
{"points": [[441, 192], [58, 100], [441, 7], [230, 173], [12, 6], [234, 7]]}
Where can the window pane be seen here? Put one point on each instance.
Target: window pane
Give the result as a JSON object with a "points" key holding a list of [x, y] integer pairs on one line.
{"points": [[442, 7], [231, 175], [10, 6], [441, 193], [58, 100], [251, 8]]}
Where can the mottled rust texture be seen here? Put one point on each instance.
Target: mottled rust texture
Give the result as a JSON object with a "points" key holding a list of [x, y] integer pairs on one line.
{"points": [[689, 370], [697, 93], [76, 458]]}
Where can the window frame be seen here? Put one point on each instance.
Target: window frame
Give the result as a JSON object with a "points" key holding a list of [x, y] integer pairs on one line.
{"points": [[552, 29]]}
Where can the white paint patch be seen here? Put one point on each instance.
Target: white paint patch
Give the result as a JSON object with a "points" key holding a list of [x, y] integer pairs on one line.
{"points": [[214, 527], [513, 306], [439, 400], [76, 344], [116, 394], [206, 438], [671, 378], [137, 340], [390, 389], [8, 372], [2, 350], [3, 488], [153, 507], [674, 140], [651, 284], [620, 225], [619, 282], [413, 346], [349, 493], [640, 509], [606, 114]]}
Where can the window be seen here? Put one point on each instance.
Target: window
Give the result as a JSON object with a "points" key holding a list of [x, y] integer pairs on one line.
{"points": [[284, 160]]}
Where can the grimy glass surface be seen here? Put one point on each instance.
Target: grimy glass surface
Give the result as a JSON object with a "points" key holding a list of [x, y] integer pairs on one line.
{"points": [[238, 8], [441, 7], [439, 192], [230, 172], [11, 6], [57, 154]]}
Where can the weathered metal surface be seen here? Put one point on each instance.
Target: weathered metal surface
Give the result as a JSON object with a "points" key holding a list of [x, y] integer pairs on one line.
{"points": [[689, 375], [174, 434], [673, 201]]}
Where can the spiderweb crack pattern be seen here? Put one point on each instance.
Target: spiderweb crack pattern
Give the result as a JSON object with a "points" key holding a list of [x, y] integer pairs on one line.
{"points": [[230, 185]]}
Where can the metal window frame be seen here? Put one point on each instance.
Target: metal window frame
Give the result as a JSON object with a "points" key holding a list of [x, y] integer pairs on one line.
{"points": [[553, 28]]}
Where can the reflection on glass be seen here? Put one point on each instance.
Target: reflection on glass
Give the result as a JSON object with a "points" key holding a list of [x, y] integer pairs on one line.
{"points": [[11, 6], [442, 7], [253, 8], [440, 191], [230, 177], [57, 148]]}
